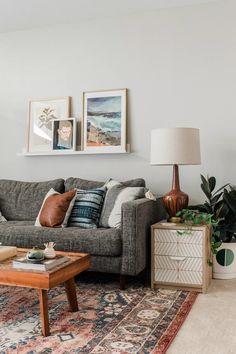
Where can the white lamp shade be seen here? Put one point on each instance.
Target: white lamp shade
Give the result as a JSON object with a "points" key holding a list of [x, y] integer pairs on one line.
{"points": [[180, 146]]}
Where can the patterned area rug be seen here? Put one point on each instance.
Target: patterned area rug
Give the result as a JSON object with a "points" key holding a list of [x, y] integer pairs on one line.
{"points": [[136, 320]]}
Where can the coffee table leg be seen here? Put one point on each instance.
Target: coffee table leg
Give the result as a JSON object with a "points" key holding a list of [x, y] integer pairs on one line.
{"points": [[43, 300], [71, 294]]}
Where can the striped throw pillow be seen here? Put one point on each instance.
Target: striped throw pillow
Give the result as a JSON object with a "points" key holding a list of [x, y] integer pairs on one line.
{"points": [[87, 208]]}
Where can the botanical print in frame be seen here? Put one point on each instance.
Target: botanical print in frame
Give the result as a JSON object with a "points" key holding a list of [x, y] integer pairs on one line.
{"points": [[104, 121], [64, 134], [41, 115]]}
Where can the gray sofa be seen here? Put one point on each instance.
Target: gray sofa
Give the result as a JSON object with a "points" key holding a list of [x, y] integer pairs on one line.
{"points": [[121, 251]]}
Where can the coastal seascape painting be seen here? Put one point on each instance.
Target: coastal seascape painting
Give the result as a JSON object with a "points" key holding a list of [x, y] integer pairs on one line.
{"points": [[105, 121]]}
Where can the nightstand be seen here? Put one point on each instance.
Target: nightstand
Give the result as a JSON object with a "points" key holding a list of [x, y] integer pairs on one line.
{"points": [[180, 257]]}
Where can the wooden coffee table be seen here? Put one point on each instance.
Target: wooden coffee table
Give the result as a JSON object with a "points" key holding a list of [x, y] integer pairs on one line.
{"points": [[43, 281]]}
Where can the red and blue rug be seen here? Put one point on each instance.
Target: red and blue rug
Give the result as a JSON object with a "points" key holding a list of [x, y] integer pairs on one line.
{"points": [[109, 320]]}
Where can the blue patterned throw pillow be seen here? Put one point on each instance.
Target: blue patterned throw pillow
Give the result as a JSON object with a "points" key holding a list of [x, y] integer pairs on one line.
{"points": [[87, 208]]}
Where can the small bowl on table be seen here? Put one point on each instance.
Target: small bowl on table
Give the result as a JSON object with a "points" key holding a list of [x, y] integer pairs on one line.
{"points": [[35, 256]]}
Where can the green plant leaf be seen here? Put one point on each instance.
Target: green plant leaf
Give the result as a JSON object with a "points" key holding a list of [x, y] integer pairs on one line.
{"points": [[205, 187], [204, 180], [216, 233], [221, 188], [204, 208], [209, 262], [215, 199], [230, 201], [197, 220], [216, 245], [180, 233], [232, 188], [206, 190], [223, 234], [232, 193], [221, 210], [212, 183], [208, 208]]}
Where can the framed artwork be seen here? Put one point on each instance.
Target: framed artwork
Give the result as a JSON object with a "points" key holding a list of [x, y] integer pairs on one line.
{"points": [[41, 116], [64, 134], [104, 121]]}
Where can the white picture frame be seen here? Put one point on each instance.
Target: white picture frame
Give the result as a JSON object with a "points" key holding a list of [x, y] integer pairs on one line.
{"points": [[42, 112]]}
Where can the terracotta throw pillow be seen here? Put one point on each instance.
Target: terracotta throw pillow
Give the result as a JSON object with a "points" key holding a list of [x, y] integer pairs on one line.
{"points": [[56, 209]]}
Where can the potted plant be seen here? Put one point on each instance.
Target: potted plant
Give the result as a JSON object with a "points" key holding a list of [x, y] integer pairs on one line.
{"points": [[221, 204], [193, 218]]}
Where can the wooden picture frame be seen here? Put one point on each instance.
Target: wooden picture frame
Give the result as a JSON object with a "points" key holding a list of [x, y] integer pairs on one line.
{"points": [[104, 121], [42, 112], [64, 134]]}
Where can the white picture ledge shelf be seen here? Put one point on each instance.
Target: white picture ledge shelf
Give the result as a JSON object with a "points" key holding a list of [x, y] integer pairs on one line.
{"points": [[64, 152]]}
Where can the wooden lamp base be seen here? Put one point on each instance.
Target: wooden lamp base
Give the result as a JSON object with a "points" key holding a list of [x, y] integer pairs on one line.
{"points": [[175, 200]]}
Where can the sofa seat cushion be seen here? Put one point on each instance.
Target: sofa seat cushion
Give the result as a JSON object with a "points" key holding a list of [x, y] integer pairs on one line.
{"points": [[100, 242], [23, 200]]}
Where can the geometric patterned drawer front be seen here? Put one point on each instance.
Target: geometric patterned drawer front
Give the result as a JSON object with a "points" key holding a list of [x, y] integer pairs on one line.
{"points": [[169, 276], [161, 235], [165, 248], [189, 278], [175, 276], [193, 237], [178, 263], [178, 249], [189, 250], [165, 262], [191, 264]]}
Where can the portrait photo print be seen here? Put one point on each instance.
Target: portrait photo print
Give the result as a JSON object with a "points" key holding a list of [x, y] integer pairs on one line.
{"points": [[64, 134]]}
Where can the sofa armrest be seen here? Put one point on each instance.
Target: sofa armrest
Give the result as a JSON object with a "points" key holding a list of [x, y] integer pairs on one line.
{"points": [[137, 217]]}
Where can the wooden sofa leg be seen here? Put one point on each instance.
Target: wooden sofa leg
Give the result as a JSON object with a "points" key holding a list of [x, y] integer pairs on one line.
{"points": [[122, 281]]}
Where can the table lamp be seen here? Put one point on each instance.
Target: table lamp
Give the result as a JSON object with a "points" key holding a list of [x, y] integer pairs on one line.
{"points": [[175, 146]]}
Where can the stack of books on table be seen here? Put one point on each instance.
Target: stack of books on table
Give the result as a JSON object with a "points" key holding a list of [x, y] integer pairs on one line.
{"points": [[45, 265], [7, 252]]}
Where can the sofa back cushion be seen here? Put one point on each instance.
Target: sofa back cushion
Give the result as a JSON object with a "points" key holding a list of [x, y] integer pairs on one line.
{"points": [[23, 200], [79, 183], [85, 184]]}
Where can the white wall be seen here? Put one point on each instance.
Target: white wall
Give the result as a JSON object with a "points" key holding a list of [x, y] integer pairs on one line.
{"points": [[179, 66]]}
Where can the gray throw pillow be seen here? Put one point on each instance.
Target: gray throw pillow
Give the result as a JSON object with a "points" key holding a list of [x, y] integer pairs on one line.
{"points": [[115, 197]]}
